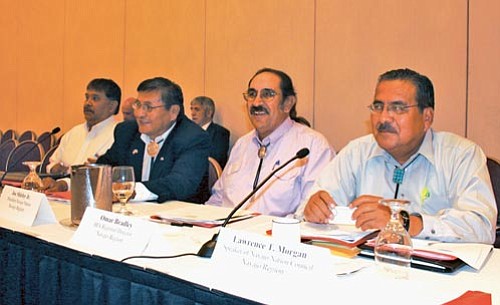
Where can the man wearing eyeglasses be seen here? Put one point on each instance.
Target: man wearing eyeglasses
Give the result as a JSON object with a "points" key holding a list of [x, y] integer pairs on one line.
{"points": [[168, 151], [444, 176], [90, 139], [271, 100]]}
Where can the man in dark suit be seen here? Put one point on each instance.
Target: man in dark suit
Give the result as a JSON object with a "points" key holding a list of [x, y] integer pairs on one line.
{"points": [[168, 151], [202, 113]]}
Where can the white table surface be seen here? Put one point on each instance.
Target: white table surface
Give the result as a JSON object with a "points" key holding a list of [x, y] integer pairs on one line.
{"points": [[363, 287]]}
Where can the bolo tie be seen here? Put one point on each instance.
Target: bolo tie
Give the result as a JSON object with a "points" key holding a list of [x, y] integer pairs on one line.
{"points": [[261, 153], [152, 149], [399, 174]]}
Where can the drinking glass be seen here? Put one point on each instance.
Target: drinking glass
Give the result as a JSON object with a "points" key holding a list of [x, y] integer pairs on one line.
{"points": [[32, 182], [123, 186], [393, 247]]}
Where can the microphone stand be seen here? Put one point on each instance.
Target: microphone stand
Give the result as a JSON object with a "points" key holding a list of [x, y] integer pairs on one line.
{"points": [[208, 248]]}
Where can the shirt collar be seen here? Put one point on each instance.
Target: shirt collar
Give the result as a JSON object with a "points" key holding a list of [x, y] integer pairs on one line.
{"points": [[146, 139], [425, 150], [275, 135], [205, 127], [101, 125]]}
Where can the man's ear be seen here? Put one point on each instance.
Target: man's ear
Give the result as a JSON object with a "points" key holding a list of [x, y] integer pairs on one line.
{"points": [[428, 117], [113, 107], [175, 110], [288, 103]]}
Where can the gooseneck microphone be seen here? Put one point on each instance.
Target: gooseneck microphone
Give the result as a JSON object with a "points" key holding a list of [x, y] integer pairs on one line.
{"points": [[208, 248], [40, 140]]}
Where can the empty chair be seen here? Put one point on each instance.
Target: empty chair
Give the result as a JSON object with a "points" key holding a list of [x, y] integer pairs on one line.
{"points": [[25, 151], [5, 150], [494, 169], [214, 172], [28, 135], [46, 160], [9, 135], [47, 140]]}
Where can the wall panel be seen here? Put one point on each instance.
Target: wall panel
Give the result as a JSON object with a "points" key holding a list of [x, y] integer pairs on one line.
{"points": [[484, 72], [358, 40], [244, 36], [40, 78], [165, 38], [8, 64], [93, 48]]}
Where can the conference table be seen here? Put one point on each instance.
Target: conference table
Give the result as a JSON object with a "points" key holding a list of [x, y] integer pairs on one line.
{"points": [[41, 265]]}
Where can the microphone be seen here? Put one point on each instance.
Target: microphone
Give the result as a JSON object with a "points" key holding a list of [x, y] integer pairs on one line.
{"points": [[208, 248], [40, 140]]}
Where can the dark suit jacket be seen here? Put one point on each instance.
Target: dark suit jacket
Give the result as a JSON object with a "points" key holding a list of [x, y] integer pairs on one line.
{"points": [[180, 165], [220, 143]]}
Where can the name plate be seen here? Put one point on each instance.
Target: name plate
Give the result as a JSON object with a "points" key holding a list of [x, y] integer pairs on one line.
{"points": [[248, 264], [28, 208], [111, 234]]}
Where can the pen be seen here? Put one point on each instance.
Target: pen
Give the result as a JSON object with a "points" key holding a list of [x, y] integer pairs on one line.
{"points": [[156, 218]]}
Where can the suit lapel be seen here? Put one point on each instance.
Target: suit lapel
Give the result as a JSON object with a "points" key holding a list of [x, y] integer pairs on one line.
{"points": [[136, 155]]}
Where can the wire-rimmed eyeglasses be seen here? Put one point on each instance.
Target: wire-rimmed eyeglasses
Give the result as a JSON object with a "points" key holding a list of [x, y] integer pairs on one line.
{"points": [[147, 107], [396, 107], [265, 94]]}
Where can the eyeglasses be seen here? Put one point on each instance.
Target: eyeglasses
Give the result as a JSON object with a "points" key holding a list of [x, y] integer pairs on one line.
{"points": [[266, 94], [396, 107], [147, 107]]}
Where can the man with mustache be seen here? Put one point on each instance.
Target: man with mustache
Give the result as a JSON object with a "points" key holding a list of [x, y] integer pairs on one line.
{"points": [[271, 101], [168, 151], [444, 176], [90, 139]]}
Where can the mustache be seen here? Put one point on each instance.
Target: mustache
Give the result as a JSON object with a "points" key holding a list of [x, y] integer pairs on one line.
{"points": [[88, 109], [255, 109], [385, 127]]}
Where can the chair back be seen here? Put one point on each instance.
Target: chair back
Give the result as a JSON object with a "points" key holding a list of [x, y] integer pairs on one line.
{"points": [[25, 151], [28, 135], [214, 172], [48, 140], [46, 159], [1, 134], [9, 135], [494, 169], [5, 150]]}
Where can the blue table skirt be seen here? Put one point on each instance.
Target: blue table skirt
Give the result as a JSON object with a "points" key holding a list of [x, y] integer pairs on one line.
{"points": [[33, 271]]}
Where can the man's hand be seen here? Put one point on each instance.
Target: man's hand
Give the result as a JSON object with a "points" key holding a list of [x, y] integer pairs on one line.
{"points": [[369, 213], [51, 185], [59, 168], [318, 208]]}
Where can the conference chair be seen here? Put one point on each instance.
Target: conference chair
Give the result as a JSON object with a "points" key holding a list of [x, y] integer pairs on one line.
{"points": [[494, 169], [28, 135], [5, 150], [9, 134], [46, 160], [48, 140], [25, 151], [214, 172]]}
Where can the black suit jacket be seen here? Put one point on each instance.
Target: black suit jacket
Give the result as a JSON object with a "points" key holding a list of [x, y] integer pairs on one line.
{"points": [[180, 165], [220, 143]]}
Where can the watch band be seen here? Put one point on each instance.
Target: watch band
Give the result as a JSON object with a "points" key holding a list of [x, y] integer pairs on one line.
{"points": [[405, 217]]}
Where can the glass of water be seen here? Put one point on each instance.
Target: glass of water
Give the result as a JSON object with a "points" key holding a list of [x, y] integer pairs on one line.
{"points": [[393, 247]]}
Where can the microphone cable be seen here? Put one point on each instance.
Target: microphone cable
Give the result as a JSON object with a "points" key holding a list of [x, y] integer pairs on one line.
{"points": [[158, 257]]}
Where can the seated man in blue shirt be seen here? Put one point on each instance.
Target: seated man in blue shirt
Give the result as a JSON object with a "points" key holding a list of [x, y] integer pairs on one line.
{"points": [[444, 176], [270, 100]]}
